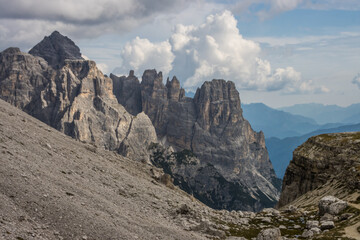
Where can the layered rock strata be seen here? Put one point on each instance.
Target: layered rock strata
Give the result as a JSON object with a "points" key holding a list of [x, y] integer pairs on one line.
{"points": [[321, 160]]}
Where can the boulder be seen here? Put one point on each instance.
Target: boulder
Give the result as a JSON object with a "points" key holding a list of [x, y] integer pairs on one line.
{"points": [[316, 230], [312, 224], [327, 217], [331, 205], [326, 225], [269, 234], [307, 234]]}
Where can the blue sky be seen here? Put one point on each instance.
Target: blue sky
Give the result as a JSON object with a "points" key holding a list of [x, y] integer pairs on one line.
{"points": [[280, 52]]}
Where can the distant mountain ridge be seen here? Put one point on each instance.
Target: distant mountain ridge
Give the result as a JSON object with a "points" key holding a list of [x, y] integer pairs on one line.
{"points": [[323, 114], [281, 150], [275, 123]]}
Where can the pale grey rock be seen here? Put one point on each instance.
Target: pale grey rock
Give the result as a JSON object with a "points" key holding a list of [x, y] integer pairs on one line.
{"points": [[324, 225], [140, 133], [312, 224], [331, 205], [271, 212], [327, 217], [291, 209], [307, 234], [249, 214], [265, 219], [269, 234], [316, 230], [296, 227]]}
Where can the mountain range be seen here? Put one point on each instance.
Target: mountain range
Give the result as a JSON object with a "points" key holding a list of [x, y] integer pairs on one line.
{"points": [[324, 114], [204, 142], [87, 156]]}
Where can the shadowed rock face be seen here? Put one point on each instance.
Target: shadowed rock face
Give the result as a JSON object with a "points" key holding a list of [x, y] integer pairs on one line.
{"points": [[211, 126], [55, 49], [320, 160], [127, 92], [76, 99]]}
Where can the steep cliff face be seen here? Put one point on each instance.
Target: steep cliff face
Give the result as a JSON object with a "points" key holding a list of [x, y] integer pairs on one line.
{"points": [[212, 127], [328, 159], [75, 98]]}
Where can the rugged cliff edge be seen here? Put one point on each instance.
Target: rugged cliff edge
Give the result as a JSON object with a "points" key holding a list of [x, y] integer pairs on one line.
{"points": [[211, 127], [324, 164], [72, 95]]}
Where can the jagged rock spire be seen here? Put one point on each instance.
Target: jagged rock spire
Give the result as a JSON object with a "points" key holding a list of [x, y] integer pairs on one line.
{"points": [[55, 49]]}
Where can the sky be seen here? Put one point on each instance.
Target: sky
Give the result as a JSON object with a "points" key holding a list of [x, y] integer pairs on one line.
{"points": [[279, 52]]}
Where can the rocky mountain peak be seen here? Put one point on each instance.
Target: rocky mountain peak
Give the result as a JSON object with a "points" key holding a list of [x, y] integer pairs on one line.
{"points": [[11, 50], [55, 49], [175, 92], [72, 96], [218, 103], [127, 92], [151, 77]]}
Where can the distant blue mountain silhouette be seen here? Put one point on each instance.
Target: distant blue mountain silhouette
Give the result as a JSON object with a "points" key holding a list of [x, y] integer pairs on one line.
{"points": [[280, 150], [326, 113]]}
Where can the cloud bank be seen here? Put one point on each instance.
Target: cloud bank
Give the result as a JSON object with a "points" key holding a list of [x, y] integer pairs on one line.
{"points": [[81, 18], [214, 49], [141, 54]]}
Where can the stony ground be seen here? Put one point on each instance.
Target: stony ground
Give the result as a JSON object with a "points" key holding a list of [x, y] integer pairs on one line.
{"points": [[53, 187]]}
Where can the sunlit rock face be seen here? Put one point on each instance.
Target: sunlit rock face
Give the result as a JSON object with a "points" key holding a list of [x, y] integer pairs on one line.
{"points": [[73, 96]]}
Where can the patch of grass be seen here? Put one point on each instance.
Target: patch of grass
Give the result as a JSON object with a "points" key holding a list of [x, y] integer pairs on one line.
{"points": [[327, 137], [247, 233]]}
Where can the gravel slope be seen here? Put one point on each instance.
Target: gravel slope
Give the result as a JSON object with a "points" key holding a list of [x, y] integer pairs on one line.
{"points": [[53, 187]]}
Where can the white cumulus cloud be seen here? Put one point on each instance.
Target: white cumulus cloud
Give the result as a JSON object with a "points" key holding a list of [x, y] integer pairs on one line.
{"points": [[141, 54], [356, 80], [214, 49]]}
